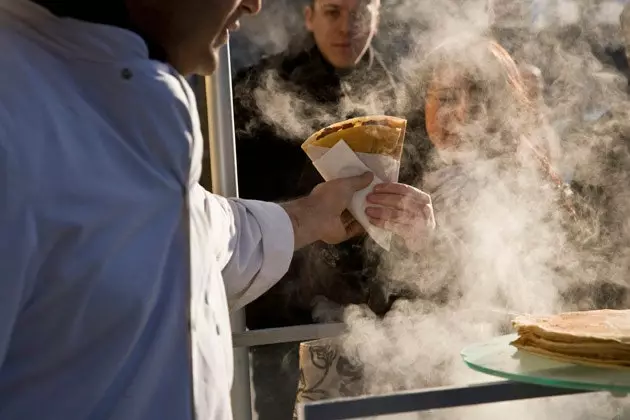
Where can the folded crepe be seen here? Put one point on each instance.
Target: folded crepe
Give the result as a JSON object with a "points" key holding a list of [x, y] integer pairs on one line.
{"points": [[355, 146], [375, 134], [594, 338]]}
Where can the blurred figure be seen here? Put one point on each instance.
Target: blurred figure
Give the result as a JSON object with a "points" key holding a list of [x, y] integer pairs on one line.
{"points": [[511, 25], [480, 117], [510, 22], [605, 34], [600, 151], [278, 104]]}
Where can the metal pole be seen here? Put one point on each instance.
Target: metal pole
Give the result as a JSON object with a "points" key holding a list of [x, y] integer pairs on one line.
{"points": [[221, 128], [225, 182]]}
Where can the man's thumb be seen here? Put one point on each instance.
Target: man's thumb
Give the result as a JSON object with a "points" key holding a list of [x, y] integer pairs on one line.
{"points": [[357, 183]]}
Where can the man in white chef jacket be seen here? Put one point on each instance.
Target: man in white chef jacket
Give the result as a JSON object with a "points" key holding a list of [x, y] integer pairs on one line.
{"points": [[116, 268]]}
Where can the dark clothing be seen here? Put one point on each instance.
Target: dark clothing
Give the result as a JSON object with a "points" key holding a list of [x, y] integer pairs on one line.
{"points": [[616, 57], [113, 12], [275, 375], [310, 80], [273, 167]]}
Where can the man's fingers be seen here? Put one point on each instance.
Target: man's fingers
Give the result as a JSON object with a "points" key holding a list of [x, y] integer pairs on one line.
{"points": [[390, 214], [343, 185], [391, 188], [402, 190], [384, 215], [395, 201], [399, 228], [357, 183]]}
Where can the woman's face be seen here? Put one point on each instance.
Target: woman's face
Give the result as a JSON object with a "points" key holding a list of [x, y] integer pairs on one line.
{"points": [[446, 109], [477, 108]]}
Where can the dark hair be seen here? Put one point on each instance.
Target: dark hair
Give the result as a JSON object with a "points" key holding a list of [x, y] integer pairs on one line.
{"points": [[109, 12]]}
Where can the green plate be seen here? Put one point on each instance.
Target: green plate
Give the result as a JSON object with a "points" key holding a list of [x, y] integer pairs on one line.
{"points": [[498, 358]]}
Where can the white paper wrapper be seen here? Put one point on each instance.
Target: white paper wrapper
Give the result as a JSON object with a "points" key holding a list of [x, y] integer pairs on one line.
{"points": [[341, 161], [384, 167]]}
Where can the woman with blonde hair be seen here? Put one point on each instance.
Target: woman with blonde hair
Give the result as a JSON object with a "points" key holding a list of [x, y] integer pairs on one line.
{"points": [[478, 108], [493, 185], [477, 102]]}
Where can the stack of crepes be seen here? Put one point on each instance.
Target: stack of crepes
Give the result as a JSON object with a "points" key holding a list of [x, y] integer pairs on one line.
{"points": [[356, 146], [593, 338]]}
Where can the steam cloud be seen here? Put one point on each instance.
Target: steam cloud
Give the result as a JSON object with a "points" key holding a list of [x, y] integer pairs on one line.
{"points": [[505, 245]]}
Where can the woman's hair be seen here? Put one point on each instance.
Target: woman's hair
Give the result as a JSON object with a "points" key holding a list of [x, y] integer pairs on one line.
{"points": [[624, 19]]}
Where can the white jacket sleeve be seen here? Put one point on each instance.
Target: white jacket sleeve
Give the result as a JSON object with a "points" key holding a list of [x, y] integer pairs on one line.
{"points": [[253, 242]]}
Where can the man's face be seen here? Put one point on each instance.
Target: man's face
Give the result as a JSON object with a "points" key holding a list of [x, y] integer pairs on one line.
{"points": [[190, 31], [343, 29]]}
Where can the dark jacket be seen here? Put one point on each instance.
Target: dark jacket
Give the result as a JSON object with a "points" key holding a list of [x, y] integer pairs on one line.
{"points": [[272, 167]]}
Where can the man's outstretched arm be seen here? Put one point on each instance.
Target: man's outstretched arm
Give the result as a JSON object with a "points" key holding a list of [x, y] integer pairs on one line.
{"points": [[261, 237]]}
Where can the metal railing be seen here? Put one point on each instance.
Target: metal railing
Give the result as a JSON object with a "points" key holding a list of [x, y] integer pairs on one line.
{"points": [[427, 399], [298, 333]]}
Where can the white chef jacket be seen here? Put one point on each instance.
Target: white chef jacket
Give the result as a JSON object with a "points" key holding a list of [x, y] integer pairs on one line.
{"points": [[116, 267]]}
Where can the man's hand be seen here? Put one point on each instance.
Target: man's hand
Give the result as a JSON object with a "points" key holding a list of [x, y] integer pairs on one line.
{"points": [[406, 211], [322, 215]]}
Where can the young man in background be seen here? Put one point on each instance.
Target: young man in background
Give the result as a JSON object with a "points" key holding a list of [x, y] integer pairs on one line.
{"points": [[335, 74]]}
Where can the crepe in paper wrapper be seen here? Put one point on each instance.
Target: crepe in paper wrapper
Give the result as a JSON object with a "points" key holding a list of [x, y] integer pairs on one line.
{"points": [[594, 338], [355, 146]]}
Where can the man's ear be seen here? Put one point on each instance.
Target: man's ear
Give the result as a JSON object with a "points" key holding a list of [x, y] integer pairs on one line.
{"points": [[308, 18]]}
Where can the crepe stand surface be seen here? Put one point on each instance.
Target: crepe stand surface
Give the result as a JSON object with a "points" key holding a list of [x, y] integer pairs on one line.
{"points": [[498, 358]]}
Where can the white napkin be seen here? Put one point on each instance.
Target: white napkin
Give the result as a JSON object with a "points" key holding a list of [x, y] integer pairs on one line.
{"points": [[341, 161], [383, 166]]}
